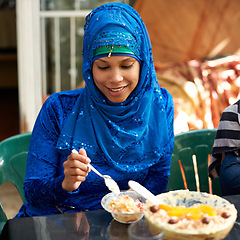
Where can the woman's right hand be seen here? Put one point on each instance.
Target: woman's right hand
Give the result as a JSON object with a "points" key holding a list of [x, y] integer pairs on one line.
{"points": [[75, 170]]}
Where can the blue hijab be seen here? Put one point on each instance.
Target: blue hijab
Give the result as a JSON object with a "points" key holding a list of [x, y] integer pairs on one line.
{"points": [[128, 136]]}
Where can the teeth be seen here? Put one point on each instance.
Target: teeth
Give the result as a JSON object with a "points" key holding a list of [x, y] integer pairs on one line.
{"points": [[116, 89]]}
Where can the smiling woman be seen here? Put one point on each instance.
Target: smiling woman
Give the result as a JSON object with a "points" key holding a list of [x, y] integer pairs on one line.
{"points": [[121, 121]]}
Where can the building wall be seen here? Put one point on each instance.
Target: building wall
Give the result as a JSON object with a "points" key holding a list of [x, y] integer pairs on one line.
{"points": [[8, 54]]}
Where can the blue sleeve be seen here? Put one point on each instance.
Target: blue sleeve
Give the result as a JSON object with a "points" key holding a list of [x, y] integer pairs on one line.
{"points": [[157, 178], [43, 182]]}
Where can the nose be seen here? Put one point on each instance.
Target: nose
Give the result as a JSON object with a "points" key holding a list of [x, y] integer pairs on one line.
{"points": [[116, 76]]}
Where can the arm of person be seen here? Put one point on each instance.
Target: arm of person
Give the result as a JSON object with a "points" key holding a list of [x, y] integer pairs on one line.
{"points": [[44, 177]]}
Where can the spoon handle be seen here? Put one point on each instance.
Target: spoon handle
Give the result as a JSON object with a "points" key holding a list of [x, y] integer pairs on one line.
{"points": [[90, 166], [95, 170], [141, 190]]}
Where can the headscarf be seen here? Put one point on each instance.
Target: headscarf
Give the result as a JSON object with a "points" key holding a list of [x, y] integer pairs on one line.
{"points": [[132, 135]]}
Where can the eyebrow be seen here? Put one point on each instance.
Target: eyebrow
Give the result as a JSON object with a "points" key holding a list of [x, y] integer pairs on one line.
{"points": [[126, 59]]}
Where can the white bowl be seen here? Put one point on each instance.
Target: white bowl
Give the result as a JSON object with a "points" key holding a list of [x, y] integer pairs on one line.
{"points": [[123, 217]]}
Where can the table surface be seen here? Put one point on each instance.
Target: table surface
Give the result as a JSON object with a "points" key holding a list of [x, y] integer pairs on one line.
{"points": [[94, 225]]}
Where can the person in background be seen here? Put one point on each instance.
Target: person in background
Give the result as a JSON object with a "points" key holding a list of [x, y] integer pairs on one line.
{"points": [[121, 122], [225, 158]]}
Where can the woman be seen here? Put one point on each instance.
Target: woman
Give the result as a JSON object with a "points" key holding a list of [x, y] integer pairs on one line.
{"points": [[122, 121], [225, 159]]}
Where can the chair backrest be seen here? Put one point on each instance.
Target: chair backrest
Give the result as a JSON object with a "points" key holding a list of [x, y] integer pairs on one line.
{"points": [[189, 167], [13, 159]]}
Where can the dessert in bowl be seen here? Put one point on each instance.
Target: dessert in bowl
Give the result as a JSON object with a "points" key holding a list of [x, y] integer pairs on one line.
{"points": [[126, 207], [191, 215]]}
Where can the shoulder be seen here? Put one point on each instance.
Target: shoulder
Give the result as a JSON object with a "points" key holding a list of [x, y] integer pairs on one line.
{"points": [[69, 95], [163, 102], [56, 109], [231, 113], [166, 94], [63, 100], [60, 104], [234, 108], [166, 98]]}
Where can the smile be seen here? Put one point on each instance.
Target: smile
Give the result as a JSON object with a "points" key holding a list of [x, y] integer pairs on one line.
{"points": [[117, 89]]}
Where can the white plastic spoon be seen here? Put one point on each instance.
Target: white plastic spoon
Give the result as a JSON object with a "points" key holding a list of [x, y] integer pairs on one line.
{"points": [[141, 190], [110, 183]]}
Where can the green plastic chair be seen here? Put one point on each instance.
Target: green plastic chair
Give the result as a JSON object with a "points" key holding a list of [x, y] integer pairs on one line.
{"points": [[13, 159], [189, 166]]}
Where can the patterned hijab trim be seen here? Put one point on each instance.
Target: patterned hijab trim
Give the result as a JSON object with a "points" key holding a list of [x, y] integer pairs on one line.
{"points": [[111, 49]]}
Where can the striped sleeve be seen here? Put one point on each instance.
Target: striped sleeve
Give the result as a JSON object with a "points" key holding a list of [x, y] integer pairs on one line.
{"points": [[227, 137]]}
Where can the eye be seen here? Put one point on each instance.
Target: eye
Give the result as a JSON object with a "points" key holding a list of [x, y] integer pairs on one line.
{"points": [[102, 68], [127, 66]]}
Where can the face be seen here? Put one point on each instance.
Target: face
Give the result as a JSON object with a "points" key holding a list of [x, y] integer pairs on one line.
{"points": [[116, 76]]}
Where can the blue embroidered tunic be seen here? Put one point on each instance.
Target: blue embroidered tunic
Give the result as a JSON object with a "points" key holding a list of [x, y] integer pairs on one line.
{"points": [[132, 140]]}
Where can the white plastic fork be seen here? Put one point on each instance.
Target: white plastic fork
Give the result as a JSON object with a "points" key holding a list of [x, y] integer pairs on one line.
{"points": [[110, 183]]}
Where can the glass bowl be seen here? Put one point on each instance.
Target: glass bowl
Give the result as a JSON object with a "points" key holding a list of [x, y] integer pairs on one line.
{"points": [[123, 216]]}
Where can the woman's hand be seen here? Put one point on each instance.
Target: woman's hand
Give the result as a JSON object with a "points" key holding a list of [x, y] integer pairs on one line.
{"points": [[75, 170]]}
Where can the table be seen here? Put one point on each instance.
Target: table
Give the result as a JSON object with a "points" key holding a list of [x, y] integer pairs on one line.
{"points": [[235, 232], [92, 225]]}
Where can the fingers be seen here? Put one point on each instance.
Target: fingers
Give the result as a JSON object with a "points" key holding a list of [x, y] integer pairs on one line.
{"points": [[81, 156], [74, 176], [75, 170], [82, 151], [76, 163]]}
